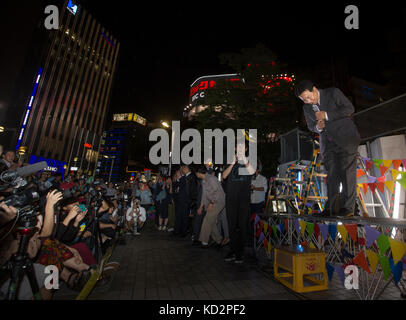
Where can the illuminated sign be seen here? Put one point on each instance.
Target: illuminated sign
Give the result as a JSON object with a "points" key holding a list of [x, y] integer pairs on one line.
{"points": [[130, 117], [53, 165], [91, 156], [27, 113], [123, 117], [73, 8], [198, 88], [200, 85], [140, 119]]}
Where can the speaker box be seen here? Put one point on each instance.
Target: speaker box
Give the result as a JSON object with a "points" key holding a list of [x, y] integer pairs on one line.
{"points": [[296, 145]]}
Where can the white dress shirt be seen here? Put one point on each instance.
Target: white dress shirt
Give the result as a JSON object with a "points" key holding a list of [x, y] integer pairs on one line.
{"points": [[258, 182]]}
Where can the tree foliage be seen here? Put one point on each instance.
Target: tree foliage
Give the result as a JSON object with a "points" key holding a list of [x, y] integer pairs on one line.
{"points": [[260, 100]]}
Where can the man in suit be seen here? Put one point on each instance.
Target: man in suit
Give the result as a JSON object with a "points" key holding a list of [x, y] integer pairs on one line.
{"points": [[328, 113], [191, 197]]}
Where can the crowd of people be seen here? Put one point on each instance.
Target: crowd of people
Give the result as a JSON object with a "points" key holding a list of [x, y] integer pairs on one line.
{"points": [[211, 207], [76, 222]]}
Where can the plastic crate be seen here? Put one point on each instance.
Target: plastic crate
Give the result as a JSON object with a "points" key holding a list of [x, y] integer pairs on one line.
{"points": [[300, 269]]}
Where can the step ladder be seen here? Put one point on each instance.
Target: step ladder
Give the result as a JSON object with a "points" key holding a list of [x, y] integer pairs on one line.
{"points": [[360, 198], [312, 191]]}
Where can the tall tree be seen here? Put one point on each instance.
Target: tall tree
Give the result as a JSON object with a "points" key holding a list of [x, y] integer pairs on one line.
{"points": [[261, 100]]}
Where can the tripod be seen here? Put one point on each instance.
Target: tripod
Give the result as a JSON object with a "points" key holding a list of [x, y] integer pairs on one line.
{"points": [[20, 263], [94, 228], [121, 222]]}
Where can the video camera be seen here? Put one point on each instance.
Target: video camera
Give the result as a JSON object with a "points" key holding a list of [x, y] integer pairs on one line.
{"points": [[95, 194], [24, 197], [21, 199]]}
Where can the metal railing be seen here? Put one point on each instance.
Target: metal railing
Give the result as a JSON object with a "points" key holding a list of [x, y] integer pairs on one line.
{"points": [[287, 229]]}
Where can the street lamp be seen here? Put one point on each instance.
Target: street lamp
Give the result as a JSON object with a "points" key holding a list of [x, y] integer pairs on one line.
{"points": [[166, 125], [1, 129], [112, 164]]}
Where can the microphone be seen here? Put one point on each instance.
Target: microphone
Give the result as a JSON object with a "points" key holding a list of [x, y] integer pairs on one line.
{"points": [[316, 109], [24, 171]]}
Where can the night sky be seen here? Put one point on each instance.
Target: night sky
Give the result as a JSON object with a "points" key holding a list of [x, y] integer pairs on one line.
{"points": [[165, 47]]}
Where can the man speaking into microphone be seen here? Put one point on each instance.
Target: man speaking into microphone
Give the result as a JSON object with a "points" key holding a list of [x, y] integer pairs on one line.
{"points": [[328, 112]]}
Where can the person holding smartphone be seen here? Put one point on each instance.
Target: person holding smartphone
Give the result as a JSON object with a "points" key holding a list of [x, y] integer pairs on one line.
{"points": [[238, 194]]}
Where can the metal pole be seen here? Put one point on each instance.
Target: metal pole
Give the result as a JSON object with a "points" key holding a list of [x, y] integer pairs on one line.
{"points": [[97, 158], [71, 149], [170, 153], [111, 168]]}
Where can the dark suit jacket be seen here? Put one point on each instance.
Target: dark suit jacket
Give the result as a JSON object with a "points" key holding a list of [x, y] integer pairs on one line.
{"points": [[191, 191], [340, 127], [183, 196]]}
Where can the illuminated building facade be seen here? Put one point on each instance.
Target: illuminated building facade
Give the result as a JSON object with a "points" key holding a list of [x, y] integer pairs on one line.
{"points": [[122, 146], [68, 98], [200, 86]]}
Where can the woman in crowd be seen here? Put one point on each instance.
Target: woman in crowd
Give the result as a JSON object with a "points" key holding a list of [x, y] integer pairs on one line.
{"points": [[163, 199], [54, 252], [145, 196]]}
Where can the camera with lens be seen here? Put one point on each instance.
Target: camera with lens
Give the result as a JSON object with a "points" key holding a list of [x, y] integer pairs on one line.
{"points": [[95, 194], [26, 202], [22, 198]]}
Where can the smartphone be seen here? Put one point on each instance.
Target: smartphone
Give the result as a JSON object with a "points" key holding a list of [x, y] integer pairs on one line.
{"points": [[82, 226], [82, 207]]}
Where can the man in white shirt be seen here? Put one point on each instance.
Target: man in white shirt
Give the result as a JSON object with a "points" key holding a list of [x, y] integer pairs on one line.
{"points": [[136, 216], [259, 186]]}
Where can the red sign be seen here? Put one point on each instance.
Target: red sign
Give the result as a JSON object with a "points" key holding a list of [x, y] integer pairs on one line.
{"points": [[206, 84]]}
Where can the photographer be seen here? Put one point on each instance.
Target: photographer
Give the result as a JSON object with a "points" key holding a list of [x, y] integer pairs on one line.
{"points": [[9, 245], [128, 190], [53, 252], [136, 216], [68, 229], [110, 190], [106, 224], [8, 157], [46, 250]]}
